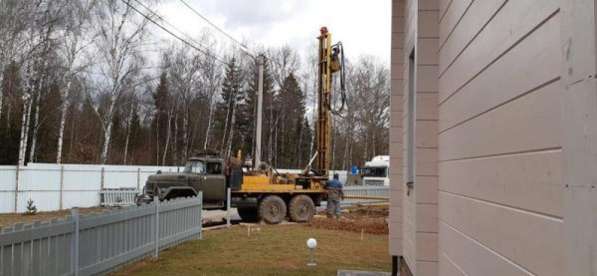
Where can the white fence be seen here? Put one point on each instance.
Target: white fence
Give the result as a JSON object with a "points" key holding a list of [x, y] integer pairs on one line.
{"points": [[97, 243], [54, 187]]}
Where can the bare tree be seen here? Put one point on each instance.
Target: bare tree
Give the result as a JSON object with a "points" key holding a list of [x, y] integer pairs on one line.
{"points": [[119, 58], [184, 69], [74, 43]]}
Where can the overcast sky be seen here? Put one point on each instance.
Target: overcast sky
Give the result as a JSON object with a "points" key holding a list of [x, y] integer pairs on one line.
{"points": [[362, 25]]}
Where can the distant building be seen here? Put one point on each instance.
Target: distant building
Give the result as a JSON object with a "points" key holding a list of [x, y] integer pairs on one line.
{"points": [[493, 138]]}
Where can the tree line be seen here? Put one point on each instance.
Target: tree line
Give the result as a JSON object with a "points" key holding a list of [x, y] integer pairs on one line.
{"points": [[87, 81]]}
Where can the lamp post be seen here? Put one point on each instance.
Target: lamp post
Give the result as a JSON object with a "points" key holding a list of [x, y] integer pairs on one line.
{"points": [[311, 244]]}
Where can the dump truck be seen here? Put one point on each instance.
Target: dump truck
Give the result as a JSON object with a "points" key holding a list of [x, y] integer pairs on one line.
{"points": [[262, 193]]}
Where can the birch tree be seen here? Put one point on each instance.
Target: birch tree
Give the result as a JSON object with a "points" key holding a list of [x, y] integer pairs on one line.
{"points": [[119, 58], [75, 41], [184, 69]]}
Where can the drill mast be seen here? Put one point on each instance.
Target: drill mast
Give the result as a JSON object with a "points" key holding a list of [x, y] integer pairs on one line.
{"points": [[328, 64]]}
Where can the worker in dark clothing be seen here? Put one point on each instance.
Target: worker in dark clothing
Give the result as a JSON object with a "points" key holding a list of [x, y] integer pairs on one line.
{"points": [[335, 194]]}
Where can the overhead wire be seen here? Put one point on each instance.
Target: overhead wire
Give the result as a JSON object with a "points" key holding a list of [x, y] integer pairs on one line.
{"points": [[244, 47], [203, 51], [161, 18]]}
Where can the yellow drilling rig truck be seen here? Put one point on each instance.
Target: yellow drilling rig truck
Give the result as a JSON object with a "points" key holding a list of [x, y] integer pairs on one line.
{"points": [[262, 193]]}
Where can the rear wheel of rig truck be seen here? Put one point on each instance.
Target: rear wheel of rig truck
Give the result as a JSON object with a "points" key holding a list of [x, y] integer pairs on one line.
{"points": [[301, 208], [272, 209]]}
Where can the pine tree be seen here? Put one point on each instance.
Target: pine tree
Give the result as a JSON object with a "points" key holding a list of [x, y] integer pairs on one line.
{"points": [[291, 120]]}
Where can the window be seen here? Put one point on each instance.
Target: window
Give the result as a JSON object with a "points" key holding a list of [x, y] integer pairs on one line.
{"points": [[410, 127], [214, 168], [194, 167], [375, 172]]}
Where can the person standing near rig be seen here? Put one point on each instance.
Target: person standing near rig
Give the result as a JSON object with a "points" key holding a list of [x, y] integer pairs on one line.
{"points": [[335, 194]]}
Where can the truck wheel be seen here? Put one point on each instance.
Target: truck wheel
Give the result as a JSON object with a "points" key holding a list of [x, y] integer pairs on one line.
{"points": [[301, 208], [272, 209], [248, 214]]}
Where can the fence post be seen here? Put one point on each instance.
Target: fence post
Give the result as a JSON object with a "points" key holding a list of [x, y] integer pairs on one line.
{"points": [[156, 201], [17, 188], [227, 207], [138, 179], [75, 244], [61, 187], [102, 179]]}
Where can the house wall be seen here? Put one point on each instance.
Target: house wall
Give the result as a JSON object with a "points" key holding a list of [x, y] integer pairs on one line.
{"points": [[500, 192], [413, 214], [505, 137]]}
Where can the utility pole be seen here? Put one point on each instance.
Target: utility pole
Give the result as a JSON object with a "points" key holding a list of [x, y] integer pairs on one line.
{"points": [[260, 64]]}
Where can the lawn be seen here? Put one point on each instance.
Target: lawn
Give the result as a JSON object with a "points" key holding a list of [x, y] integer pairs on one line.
{"points": [[274, 250]]}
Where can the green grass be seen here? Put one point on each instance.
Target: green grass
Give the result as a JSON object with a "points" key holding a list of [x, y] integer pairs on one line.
{"points": [[275, 250]]}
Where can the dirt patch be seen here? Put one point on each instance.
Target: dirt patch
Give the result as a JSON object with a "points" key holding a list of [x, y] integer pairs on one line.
{"points": [[366, 219], [10, 219]]}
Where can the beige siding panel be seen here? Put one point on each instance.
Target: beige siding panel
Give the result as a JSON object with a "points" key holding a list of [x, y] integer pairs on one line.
{"points": [[394, 214], [443, 6], [426, 268], [426, 187], [397, 72], [395, 134], [522, 69], [397, 43], [395, 231], [452, 16], [532, 241], [528, 181], [515, 20], [427, 51], [447, 266], [397, 85], [428, 24], [529, 123], [427, 106], [428, 5], [427, 79], [426, 134], [426, 162], [459, 252], [471, 23], [395, 117], [427, 246], [396, 102], [395, 247], [427, 218], [395, 149]]}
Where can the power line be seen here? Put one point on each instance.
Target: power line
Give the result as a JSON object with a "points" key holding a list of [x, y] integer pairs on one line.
{"points": [[173, 34], [244, 48], [171, 25]]}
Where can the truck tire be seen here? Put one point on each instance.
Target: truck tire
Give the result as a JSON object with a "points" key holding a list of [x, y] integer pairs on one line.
{"points": [[301, 208], [248, 214], [272, 209]]}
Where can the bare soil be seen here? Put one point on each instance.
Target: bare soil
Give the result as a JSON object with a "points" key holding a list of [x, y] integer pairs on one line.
{"points": [[366, 219]]}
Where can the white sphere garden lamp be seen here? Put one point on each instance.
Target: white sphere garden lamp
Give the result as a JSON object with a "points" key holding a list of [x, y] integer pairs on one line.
{"points": [[311, 244]]}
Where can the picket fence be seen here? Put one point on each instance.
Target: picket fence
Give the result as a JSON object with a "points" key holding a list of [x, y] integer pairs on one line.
{"points": [[98, 243]]}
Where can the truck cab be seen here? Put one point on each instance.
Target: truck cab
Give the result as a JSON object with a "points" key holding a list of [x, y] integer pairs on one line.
{"points": [[203, 174], [376, 172]]}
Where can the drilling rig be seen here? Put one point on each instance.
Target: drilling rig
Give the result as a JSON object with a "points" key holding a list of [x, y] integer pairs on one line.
{"points": [[261, 193]]}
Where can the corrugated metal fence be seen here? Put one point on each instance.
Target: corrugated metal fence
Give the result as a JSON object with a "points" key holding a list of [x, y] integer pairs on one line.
{"points": [[97, 243], [374, 192]]}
